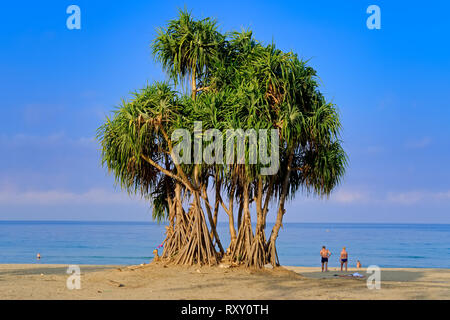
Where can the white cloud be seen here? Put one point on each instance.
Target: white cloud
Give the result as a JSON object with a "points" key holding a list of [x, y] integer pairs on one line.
{"points": [[24, 140], [419, 143], [58, 197], [405, 197], [414, 197], [348, 196], [443, 195], [374, 149]]}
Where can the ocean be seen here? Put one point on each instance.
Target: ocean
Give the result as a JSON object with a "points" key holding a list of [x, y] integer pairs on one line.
{"points": [[125, 243]]}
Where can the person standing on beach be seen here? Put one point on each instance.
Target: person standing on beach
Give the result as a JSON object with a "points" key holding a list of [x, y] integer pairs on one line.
{"points": [[344, 259], [325, 254]]}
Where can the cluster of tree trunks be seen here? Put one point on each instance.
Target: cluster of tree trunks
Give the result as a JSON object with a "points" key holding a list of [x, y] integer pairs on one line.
{"points": [[191, 240]]}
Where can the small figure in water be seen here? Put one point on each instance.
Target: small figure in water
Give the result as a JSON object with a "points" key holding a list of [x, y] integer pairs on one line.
{"points": [[325, 254], [38, 256], [344, 259], [358, 264]]}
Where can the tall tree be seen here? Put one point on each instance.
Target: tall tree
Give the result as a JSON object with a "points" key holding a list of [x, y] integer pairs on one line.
{"points": [[236, 83]]}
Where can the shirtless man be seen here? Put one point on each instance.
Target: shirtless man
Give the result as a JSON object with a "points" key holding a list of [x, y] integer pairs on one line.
{"points": [[344, 259], [325, 254]]}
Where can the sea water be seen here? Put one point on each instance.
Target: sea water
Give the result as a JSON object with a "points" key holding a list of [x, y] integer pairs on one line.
{"points": [[124, 243]]}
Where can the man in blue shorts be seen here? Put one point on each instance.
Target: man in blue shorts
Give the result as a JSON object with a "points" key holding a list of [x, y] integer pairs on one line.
{"points": [[325, 254]]}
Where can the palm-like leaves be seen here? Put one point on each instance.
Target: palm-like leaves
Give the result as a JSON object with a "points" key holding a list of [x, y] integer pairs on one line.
{"points": [[243, 84], [186, 48], [134, 132]]}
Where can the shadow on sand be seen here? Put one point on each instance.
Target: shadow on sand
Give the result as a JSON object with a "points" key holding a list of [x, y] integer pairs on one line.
{"points": [[386, 275]]}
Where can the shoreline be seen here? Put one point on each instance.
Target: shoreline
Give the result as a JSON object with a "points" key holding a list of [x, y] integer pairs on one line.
{"points": [[156, 281], [331, 268]]}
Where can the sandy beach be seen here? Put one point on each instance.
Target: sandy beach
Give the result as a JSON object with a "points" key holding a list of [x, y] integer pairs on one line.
{"points": [[156, 281]]}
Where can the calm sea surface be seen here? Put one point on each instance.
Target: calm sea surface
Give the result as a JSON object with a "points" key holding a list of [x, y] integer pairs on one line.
{"points": [[385, 245]]}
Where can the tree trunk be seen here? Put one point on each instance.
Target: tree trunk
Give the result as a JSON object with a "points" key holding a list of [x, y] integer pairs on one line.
{"points": [[258, 255], [230, 212], [216, 206], [241, 207], [211, 220], [176, 234], [240, 251], [198, 248], [193, 84], [232, 229], [271, 246]]}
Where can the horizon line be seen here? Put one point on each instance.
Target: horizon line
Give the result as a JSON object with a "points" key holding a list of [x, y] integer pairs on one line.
{"points": [[162, 223]]}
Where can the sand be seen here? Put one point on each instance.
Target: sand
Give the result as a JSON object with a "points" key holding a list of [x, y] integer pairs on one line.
{"points": [[156, 281]]}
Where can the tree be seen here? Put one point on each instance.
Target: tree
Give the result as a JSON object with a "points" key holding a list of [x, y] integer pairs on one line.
{"points": [[236, 83]]}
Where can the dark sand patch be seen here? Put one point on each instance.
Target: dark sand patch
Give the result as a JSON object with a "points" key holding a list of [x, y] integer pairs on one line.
{"points": [[39, 269], [386, 275]]}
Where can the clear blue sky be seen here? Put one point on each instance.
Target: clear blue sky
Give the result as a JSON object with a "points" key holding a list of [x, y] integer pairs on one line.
{"points": [[391, 86]]}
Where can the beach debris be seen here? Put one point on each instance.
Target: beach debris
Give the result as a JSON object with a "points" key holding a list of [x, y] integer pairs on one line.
{"points": [[353, 275], [268, 266], [198, 270], [155, 254], [116, 283], [224, 266], [132, 268]]}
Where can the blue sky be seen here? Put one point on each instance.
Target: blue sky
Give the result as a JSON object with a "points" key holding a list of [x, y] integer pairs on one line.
{"points": [[391, 86]]}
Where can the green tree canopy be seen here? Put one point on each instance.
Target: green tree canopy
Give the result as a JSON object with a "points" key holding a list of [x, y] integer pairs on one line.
{"points": [[236, 82]]}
